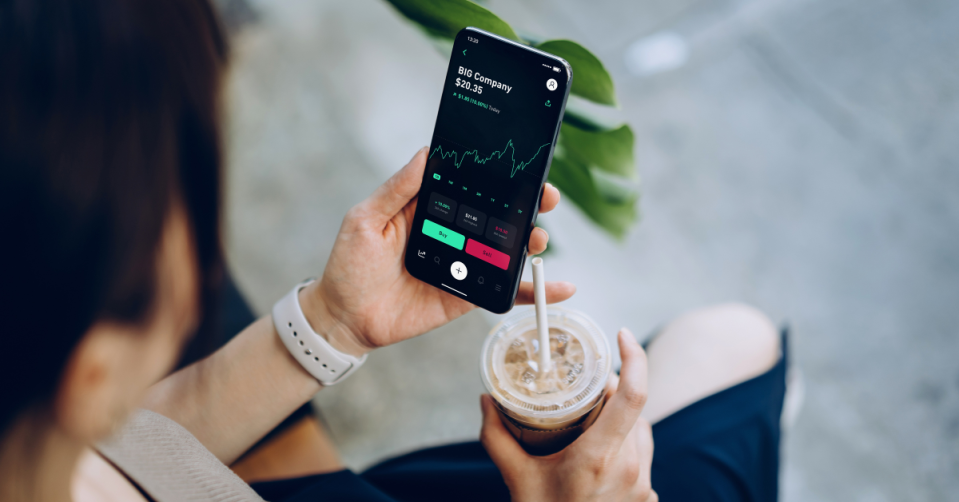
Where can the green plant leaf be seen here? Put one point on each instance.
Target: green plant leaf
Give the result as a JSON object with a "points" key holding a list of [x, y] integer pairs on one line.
{"points": [[614, 188], [445, 18], [590, 78], [578, 185], [590, 116], [611, 151], [583, 121]]}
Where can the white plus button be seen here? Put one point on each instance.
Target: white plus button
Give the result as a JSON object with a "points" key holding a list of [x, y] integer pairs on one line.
{"points": [[458, 270]]}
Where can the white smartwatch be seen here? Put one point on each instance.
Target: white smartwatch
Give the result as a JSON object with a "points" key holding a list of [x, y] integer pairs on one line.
{"points": [[311, 350]]}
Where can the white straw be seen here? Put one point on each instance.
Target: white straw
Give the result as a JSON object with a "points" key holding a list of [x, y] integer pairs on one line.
{"points": [[542, 325]]}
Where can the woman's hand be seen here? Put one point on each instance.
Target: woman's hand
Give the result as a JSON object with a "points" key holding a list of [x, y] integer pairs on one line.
{"points": [[609, 462], [366, 298]]}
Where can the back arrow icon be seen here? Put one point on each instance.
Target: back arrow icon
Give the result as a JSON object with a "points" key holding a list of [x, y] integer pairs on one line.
{"points": [[464, 52]]}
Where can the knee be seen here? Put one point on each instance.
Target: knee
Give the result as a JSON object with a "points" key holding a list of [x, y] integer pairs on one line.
{"points": [[735, 319], [740, 333]]}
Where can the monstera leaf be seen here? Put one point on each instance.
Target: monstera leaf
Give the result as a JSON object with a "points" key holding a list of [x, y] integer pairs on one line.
{"points": [[445, 18], [595, 168], [591, 80], [593, 164]]}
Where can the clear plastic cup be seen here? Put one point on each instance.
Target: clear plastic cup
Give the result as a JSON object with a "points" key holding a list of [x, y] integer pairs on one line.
{"points": [[547, 412]]}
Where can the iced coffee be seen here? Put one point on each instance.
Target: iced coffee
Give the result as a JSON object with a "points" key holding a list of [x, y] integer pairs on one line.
{"points": [[547, 408]]}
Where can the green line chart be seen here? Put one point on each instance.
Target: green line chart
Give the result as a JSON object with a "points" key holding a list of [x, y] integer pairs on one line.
{"points": [[498, 154]]}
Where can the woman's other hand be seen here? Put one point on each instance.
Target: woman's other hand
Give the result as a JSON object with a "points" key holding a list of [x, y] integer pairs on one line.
{"points": [[367, 299], [610, 462]]}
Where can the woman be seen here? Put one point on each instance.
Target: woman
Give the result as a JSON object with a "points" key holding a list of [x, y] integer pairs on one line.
{"points": [[110, 193]]}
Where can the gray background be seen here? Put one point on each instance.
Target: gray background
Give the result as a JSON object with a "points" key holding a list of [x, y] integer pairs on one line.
{"points": [[803, 159]]}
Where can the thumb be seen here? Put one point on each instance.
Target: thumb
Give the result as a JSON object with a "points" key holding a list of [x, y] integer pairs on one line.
{"points": [[506, 453], [397, 192]]}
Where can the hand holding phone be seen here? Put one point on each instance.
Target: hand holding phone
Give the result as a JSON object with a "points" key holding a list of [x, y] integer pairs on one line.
{"points": [[366, 298], [498, 121]]}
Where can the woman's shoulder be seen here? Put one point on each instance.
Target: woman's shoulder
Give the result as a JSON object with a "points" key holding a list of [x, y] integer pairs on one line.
{"points": [[164, 460]]}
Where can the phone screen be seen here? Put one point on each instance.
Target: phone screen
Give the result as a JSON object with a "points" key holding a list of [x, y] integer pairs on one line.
{"points": [[498, 120]]}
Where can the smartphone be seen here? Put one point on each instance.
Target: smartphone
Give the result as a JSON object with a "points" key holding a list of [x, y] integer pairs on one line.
{"points": [[496, 128]]}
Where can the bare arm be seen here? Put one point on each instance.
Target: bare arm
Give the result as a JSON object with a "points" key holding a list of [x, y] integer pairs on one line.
{"points": [[234, 397], [366, 299]]}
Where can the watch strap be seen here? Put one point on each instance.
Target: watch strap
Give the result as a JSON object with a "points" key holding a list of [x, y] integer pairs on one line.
{"points": [[309, 348]]}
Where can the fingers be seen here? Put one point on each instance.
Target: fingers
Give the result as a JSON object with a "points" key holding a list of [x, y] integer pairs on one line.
{"points": [[612, 384], [391, 197], [550, 198], [644, 440], [556, 291], [621, 412], [502, 447], [538, 239]]}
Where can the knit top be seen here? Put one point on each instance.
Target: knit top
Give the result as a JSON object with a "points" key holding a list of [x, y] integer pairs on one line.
{"points": [[170, 464]]}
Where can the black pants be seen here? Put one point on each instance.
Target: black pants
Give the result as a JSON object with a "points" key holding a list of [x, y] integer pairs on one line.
{"points": [[722, 448]]}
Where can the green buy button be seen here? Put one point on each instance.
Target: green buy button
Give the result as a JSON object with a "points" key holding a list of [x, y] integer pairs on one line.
{"points": [[443, 234]]}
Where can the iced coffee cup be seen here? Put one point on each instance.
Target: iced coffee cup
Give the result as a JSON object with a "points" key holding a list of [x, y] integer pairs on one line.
{"points": [[547, 410]]}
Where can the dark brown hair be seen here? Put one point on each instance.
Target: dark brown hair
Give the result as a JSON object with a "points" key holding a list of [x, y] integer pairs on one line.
{"points": [[108, 115]]}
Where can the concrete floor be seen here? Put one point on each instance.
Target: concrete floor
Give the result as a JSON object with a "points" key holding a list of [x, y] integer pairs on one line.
{"points": [[804, 159]]}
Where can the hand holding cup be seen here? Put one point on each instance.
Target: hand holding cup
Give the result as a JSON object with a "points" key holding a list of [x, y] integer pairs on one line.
{"points": [[611, 461]]}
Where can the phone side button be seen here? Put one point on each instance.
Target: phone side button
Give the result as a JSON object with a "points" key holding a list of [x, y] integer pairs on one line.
{"points": [[487, 254]]}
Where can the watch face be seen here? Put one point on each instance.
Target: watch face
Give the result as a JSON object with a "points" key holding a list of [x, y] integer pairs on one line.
{"points": [[497, 124]]}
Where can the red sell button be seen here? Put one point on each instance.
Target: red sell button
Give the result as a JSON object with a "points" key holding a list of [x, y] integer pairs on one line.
{"points": [[487, 254]]}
